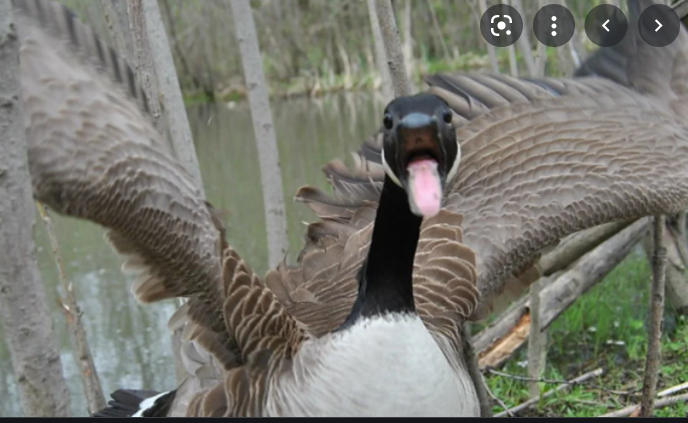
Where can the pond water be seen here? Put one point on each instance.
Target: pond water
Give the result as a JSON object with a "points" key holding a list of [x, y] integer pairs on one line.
{"points": [[129, 342]]}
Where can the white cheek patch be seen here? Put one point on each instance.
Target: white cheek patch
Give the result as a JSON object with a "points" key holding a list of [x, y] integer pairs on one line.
{"points": [[455, 165], [389, 171]]}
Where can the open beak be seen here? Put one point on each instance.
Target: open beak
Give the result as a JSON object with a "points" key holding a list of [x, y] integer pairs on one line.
{"points": [[419, 155]]}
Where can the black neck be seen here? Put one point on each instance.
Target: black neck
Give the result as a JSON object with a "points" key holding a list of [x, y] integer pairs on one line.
{"points": [[385, 282]]}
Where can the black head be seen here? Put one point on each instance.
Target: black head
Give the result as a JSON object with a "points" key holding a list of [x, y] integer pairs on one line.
{"points": [[420, 152]]}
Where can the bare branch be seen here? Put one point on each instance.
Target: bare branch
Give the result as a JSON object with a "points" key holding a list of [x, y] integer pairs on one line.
{"points": [[656, 312], [395, 56], [673, 390], [513, 64], [82, 353], [536, 340], [499, 401], [557, 381], [664, 402], [436, 25], [541, 51], [491, 54], [523, 41], [533, 401], [380, 55], [476, 376]]}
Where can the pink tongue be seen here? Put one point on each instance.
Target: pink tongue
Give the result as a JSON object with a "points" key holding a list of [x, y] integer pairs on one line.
{"points": [[425, 192]]}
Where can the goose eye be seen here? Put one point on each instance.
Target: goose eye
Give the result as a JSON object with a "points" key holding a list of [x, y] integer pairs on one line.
{"points": [[447, 116], [387, 121]]}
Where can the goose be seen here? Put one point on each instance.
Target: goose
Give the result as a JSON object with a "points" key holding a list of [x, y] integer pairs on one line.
{"points": [[534, 168], [496, 113], [340, 372]]}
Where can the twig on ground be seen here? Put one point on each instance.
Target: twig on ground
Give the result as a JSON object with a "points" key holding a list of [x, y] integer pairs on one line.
{"points": [[577, 381], [561, 382], [635, 409], [672, 390], [496, 398], [588, 402]]}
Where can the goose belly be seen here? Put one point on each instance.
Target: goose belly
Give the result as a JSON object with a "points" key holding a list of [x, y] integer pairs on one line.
{"points": [[381, 366]]}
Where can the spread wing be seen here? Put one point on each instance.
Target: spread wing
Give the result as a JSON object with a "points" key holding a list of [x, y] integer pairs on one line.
{"points": [[93, 154], [536, 171], [554, 167], [545, 158]]}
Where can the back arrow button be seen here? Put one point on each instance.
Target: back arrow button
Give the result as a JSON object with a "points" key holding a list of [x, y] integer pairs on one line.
{"points": [[604, 25]]}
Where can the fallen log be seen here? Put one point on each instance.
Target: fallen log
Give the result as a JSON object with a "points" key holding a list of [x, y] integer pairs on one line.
{"points": [[499, 341], [568, 251], [577, 245]]}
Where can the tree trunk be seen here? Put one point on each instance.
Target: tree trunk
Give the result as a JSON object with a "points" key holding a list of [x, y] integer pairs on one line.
{"points": [[268, 154], [120, 7], [676, 268], [513, 63], [490, 48], [654, 335], [171, 98], [408, 38], [438, 30], [541, 54], [395, 56], [537, 340], [23, 308], [113, 19], [143, 62], [380, 55], [524, 40], [177, 45]]}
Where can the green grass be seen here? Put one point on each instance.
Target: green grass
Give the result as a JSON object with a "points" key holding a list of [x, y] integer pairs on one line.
{"points": [[605, 328]]}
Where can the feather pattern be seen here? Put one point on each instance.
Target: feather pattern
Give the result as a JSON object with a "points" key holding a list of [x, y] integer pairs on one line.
{"points": [[94, 155]]}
